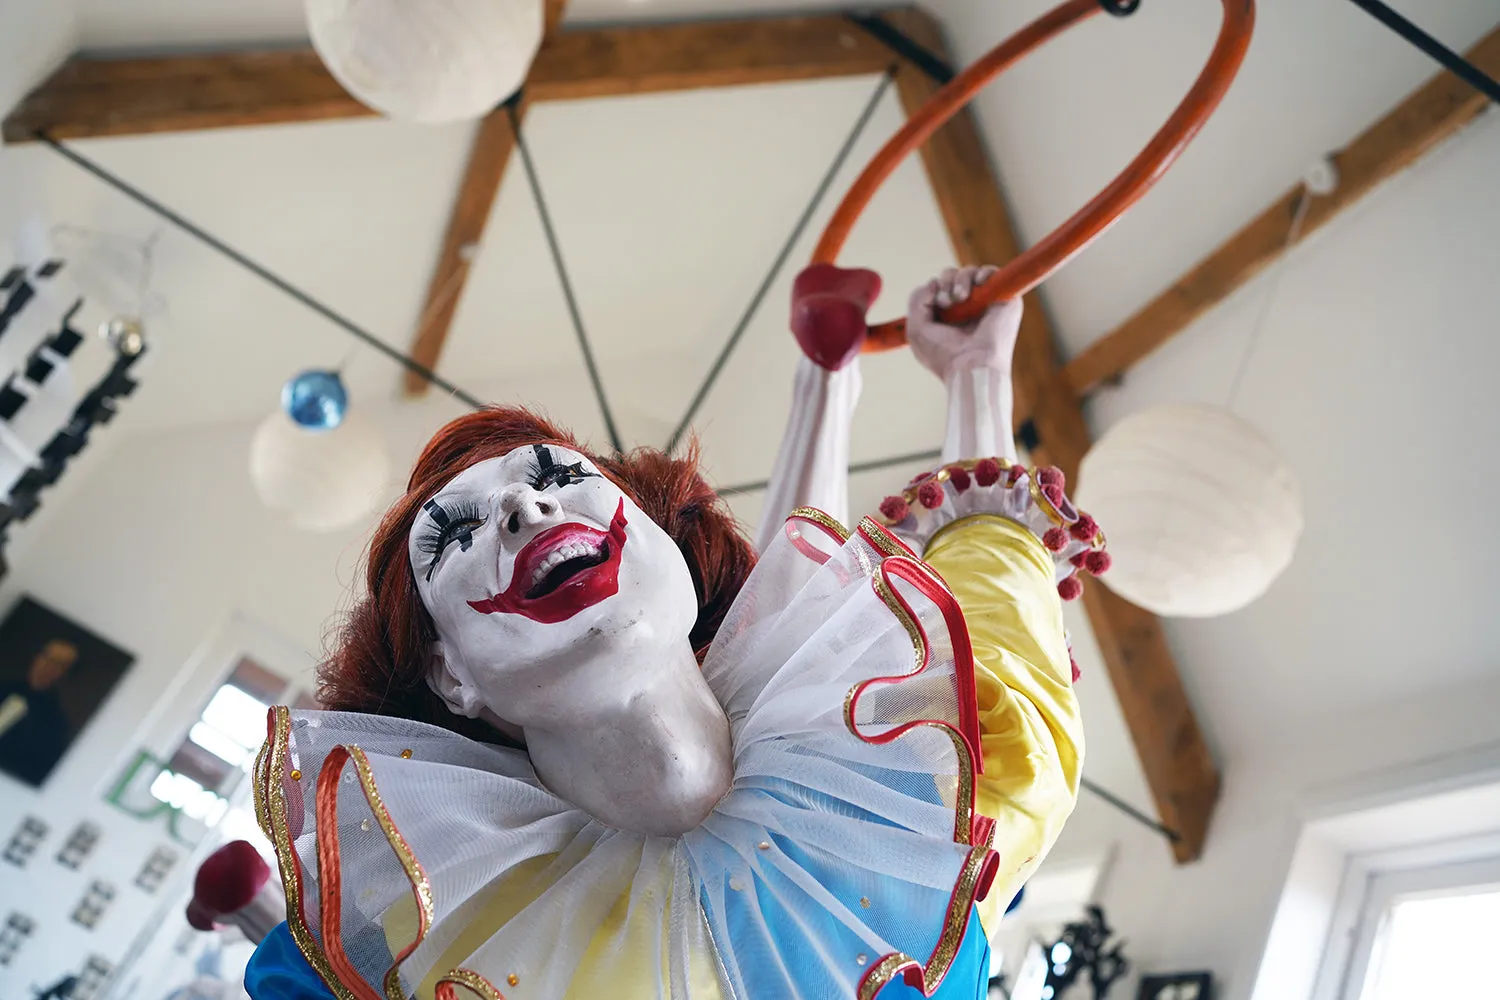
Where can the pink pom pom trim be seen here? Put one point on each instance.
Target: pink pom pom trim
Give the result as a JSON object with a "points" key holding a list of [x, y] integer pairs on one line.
{"points": [[930, 495], [987, 472], [1069, 588], [894, 509], [1085, 528], [1076, 672], [1098, 563], [1051, 476], [1056, 539], [959, 477]]}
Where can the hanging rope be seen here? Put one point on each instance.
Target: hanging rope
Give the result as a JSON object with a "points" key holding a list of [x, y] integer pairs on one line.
{"points": [[781, 258], [259, 270], [562, 277]]}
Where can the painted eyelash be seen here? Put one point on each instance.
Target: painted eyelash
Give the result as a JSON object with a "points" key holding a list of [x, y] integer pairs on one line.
{"points": [[436, 539], [534, 472], [554, 472]]}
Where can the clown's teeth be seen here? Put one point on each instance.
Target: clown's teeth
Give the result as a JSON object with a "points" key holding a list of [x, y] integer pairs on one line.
{"points": [[560, 555]]}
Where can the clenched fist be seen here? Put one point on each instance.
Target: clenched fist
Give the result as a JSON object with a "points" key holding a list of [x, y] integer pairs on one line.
{"points": [[988, 342]]}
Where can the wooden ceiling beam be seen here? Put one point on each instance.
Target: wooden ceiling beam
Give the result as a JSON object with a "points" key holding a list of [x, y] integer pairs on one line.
{"points": [[1179, 769], [489, 155], [1443, 106], [90, 97]]}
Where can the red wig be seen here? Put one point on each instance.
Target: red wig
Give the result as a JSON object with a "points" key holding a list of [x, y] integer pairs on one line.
{"points": [[379, 660]]}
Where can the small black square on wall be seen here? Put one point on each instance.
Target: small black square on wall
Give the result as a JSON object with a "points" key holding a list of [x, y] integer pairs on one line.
{"points": [[95, 901], [79, 845], [23, 843], [13, 934]]}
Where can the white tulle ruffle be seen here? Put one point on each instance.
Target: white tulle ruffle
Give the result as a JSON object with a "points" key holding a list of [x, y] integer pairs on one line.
{"points": [[418, 862]]}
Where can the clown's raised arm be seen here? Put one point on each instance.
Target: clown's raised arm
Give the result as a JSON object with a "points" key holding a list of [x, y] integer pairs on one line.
{"points": [[1008, 544], [812, 467]]}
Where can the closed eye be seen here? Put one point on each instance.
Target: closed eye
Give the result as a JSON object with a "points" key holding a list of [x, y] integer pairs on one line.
{"points": [[449, 525], [545, 472]]}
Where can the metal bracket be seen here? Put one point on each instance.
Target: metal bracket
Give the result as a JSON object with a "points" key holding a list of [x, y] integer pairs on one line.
{"points": [[893, 38]]}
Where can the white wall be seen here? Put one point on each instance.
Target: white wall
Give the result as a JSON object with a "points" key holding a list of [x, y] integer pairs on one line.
{"points": [[1215, 914]]}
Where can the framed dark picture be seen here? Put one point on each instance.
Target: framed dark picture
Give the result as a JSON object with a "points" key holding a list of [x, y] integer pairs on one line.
{"points": [[54, 675]]}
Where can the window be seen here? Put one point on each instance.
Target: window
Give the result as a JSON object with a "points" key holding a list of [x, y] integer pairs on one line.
{"points": [[221, 746], [1421, 931], [1429, 945]]}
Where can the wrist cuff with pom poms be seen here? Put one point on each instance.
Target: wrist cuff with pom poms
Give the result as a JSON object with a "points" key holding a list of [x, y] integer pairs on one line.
{"points": [[1034, 499]]}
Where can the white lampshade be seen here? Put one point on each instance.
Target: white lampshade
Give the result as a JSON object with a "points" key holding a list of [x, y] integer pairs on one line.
{"points": [[427, 60], [323, 480], [1200, 512]]}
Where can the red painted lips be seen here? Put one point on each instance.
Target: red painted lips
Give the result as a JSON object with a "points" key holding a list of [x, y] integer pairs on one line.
{"points": [[562, 571]]}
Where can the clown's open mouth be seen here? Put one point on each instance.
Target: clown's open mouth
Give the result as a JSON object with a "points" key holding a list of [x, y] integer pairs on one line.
{"points": [[566, 561], [562, 571]]}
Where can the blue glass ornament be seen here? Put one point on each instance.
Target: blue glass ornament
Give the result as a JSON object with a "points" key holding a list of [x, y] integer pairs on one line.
{"points": [[315, 400]]}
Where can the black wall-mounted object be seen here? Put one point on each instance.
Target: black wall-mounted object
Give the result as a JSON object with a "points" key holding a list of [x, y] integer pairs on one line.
{"points": [[1086, 952], [1177, 986], [24, 842]]}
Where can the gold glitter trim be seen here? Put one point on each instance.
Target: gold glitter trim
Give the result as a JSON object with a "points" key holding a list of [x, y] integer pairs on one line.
{"points": [[949, 940], [472, 980], [1040, 499], [286, 855], [821, 519], [879, 536], [963, 816], [421, 887], [957, 918], [257, 780]]}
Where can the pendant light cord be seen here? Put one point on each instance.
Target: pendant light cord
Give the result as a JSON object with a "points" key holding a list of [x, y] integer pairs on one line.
{"points": [[1268, 299], [259, 270], [792, 239], [555, 246]]}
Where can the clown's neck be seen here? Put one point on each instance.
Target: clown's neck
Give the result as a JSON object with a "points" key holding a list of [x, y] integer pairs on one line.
{"points": [[650, 754]]}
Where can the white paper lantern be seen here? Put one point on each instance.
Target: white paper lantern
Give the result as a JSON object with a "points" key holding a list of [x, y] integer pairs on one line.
{"points": [[427, 60], [1200, 512], [323, 480]]}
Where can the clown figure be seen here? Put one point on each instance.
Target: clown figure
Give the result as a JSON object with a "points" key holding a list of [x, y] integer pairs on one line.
{"points": [[587, 742]]}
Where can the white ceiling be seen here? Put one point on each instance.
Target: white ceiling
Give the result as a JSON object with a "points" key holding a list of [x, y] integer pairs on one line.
{"points": [[1376, 357]]}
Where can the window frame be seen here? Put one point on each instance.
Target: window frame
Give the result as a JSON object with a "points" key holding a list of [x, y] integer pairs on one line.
{"points": [[1383, 890]]}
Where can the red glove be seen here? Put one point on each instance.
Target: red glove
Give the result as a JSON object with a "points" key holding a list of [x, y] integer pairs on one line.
{"points": [[228, 880], [828, 312]]}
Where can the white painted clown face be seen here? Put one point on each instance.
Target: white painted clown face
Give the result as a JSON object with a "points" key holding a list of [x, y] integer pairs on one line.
{"points": [[537, 571]]}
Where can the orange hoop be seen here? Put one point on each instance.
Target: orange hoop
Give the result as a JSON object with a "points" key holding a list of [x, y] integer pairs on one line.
{"points": [[1032, 267]]}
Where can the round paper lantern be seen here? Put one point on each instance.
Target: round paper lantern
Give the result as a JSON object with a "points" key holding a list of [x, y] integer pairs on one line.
{"points": [[324, 480], [1201, 513], [427, 60]]}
